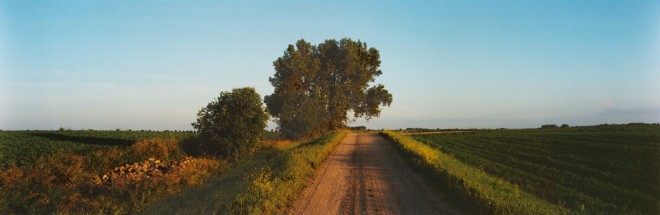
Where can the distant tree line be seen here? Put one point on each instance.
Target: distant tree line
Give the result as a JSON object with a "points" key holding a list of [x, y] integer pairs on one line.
{"points": [[359, 128], [555, 126]]}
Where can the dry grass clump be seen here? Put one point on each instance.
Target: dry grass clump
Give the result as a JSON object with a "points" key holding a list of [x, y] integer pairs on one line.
{"points": [[157, 148], [107, 181], [281, 144], [53, 183]]}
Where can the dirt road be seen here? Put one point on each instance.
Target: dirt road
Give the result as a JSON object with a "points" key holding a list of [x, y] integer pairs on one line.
{"points": [[365, 175]]}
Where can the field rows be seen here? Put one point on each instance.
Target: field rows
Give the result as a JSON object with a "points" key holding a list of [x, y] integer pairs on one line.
{"points": [[22, 147], [605, 170]]}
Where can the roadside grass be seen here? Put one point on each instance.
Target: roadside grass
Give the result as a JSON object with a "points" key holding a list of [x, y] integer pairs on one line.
{"points": [[265, 184], [494, 195]]}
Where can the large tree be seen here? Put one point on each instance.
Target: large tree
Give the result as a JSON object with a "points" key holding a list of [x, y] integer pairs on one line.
{"points": [[317, 86], [233, 123]]}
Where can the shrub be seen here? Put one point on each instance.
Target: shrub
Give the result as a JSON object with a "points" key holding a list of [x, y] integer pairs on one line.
{"points": [[156, 148], [233, 123]]}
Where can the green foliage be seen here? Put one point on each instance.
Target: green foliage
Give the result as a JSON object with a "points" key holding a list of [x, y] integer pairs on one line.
{"points": [[549, 126], [265, 184], [494, 194], [316, 86], [600, 169], [234, 122], [25, 147]]}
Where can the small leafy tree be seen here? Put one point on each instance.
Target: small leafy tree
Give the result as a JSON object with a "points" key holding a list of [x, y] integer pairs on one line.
{"points": [[233, 123]]}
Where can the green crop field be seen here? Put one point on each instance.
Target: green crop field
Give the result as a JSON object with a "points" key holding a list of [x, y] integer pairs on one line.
{"points": [[21, 147], [597, 169]]}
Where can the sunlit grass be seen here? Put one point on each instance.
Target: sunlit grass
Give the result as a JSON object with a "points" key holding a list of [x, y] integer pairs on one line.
{"points": [[265, 184], [116, 180], [494, 194]]}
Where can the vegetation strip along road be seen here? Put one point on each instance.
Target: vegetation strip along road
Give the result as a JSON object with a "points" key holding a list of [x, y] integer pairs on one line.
{"points": [[264, 184], [493, 194]]}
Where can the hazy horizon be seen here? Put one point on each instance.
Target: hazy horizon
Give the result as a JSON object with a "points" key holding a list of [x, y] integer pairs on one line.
{"points": [[479, 64]]}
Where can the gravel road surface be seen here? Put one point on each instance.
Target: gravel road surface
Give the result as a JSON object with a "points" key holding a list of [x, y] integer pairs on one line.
{"points": [[365, 175]]}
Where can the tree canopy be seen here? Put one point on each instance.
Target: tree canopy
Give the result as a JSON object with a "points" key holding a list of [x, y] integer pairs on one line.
{"points": [[317, 86], [233, 123]]}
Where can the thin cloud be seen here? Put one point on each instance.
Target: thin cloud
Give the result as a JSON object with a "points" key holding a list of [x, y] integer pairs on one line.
{"points": [[605, 103], [633, 111]]}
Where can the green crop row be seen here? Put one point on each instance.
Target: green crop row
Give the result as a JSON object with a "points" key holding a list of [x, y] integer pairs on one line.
{"points": [[24, 147], [494, 194], [599, 169]]}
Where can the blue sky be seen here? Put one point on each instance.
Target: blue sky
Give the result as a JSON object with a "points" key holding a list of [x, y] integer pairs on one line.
{"points": [[484, 64]]}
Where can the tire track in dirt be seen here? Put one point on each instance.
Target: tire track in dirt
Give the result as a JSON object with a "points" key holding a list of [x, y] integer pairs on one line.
{"points": [[365, 175]]}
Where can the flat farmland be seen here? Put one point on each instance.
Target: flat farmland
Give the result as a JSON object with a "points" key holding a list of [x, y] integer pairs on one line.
{"points": [[23, 147], [597, 169]]}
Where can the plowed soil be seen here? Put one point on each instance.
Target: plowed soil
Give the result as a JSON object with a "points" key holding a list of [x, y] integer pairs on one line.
{"points": [[365, 175]]}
